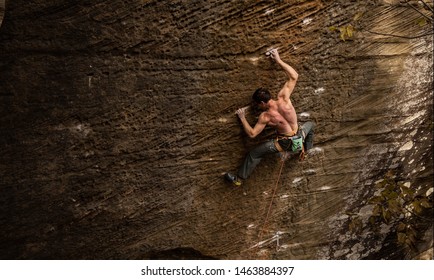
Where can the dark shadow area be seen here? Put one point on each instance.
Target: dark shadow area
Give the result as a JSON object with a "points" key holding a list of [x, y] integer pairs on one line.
{"points": [[2, 11], [178, 254]]}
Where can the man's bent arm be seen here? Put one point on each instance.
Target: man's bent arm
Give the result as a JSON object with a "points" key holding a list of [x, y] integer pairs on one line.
{"points": [[259, 126], [288, 87]]}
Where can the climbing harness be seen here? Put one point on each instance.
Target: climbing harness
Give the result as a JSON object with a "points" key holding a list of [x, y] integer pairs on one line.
{"points": [[291, 142]]}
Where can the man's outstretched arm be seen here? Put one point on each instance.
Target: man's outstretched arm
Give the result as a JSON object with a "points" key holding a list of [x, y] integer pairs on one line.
{"points": [[289, 85]]}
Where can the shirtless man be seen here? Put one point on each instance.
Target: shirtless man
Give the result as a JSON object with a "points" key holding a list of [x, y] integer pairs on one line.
{"points": [[280, 114]]}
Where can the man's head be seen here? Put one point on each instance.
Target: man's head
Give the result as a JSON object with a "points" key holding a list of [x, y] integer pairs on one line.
{"points": [[260, 97]]}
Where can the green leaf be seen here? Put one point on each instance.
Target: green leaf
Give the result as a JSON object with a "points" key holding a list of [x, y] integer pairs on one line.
{"points": [[390, 174], [342, 36], [394, 207], [386, 215], [385, 193], [425, 203], [421, 22], [407, 190], [410, 240], [411, 236], [401, 226], [355, 225], [376, 200], [393, 195], [357, 16], [417, 207], [381, 184], [411, 230], [401, 237], [350, 31], [390, 187], [376, 211]]}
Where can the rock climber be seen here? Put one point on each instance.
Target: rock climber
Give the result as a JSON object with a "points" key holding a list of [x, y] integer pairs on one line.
{"points": [[279, 113]]}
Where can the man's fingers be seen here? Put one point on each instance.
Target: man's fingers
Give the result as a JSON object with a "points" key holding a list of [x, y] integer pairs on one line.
{"points": [[274, 53], [241, 110]]}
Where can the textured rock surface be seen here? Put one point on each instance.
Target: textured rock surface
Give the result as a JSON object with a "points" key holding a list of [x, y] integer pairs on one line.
{"points": [[117, 122]]}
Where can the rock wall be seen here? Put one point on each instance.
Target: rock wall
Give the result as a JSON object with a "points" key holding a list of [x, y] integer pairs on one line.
{"points": [[117, 123]]}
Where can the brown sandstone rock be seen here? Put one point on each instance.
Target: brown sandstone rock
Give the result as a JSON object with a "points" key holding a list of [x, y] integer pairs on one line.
{"points": [[117, 123]]}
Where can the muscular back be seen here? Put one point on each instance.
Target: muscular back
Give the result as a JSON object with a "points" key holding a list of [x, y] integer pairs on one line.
{"points": [[286, 109], [281, 115]]}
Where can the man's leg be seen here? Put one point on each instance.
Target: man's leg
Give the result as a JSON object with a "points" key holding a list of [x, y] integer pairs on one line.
{"points": [[254, 157], [308, 129]]}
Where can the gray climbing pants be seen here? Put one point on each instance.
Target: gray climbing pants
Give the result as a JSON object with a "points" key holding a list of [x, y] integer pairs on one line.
{"points": [[255, 156]]}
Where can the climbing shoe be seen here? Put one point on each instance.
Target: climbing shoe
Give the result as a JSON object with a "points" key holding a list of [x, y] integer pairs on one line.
{"points": [[233, 179]]}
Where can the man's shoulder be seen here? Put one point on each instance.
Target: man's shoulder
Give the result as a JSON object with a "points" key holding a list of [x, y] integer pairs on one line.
{"points": [[284, 103], [283, 100], [264, 117]]}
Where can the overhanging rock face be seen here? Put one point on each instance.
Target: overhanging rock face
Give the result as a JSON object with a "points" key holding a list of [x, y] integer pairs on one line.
{"points": [[118, 122]]}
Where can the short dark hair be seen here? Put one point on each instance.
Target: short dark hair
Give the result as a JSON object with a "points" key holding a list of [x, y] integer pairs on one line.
{"points": [[261, 95]]}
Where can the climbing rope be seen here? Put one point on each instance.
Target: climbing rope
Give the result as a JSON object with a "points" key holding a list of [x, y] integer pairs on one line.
{"points": [[271, 202]]}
